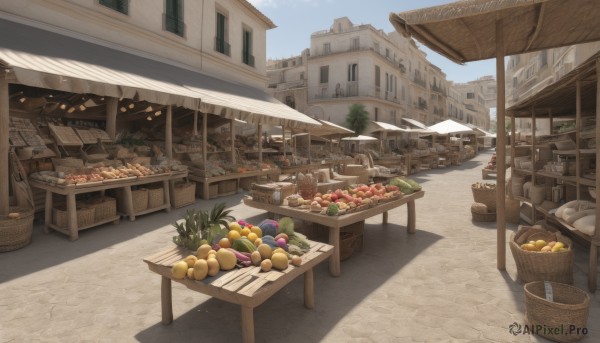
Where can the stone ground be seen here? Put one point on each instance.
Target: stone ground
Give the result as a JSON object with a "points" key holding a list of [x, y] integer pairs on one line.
{"points": [[439, 285]]}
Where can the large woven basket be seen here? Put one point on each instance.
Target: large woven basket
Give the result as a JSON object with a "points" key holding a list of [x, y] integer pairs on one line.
{"points": [[139, 199], [543, 266], [104, 208], [567, 313], [184, 193], [16, 233], [485, 196], [156, 197], [85, 217]]}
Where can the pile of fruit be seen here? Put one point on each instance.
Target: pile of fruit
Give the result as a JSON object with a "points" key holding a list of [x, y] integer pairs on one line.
{"points": [[270, 244], [543, 246]]}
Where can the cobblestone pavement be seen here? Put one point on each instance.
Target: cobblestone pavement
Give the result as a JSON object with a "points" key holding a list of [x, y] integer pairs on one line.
{"points": [[439, 285]]}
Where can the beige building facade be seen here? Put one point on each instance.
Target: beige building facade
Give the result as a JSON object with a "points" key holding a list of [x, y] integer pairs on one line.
{"points": [[221, 38], [527, 74], [387, 73]]}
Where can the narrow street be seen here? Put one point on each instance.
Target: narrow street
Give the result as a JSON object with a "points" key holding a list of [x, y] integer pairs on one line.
{"points": [[439, 285]]}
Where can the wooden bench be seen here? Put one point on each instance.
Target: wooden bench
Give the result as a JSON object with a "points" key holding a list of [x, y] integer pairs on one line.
{"points": [[248, 287]]}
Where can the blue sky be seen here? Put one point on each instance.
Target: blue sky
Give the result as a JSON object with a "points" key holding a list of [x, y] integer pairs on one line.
{"points": [[297, 19]]}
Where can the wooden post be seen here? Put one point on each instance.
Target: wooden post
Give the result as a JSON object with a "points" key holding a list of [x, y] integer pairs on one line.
{"points": [[577, 136], [112, 106], [512, 149], [4, 171], [166, 300], [592, 272], [533, 151], [247, 324], [309, 289], [501, 148], [169, 132], [232, 134], [204, 139], [195, 123], [309, 145], [283, 139], [260, 151]]}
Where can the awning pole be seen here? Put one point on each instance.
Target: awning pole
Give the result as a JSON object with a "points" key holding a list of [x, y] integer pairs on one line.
{"points": [[112, 105], [169, 132], [195, 133], [232, 135], [309, 145], [501, 147], [260, 151], [592, 276], [204, 138], [283, 139], [4, 177]]}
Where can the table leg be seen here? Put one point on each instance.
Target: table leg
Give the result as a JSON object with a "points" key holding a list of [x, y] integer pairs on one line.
{"points": [[593, 272], [385, 217], [167, 196], [334, 260], [166, 301], [309, 289], [412, 218], [205, 190], [129, 203], [48, 212], [72, 216], [247, 324]]}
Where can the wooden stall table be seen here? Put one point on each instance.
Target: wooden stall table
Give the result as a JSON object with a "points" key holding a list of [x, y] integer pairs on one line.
{"points": [[334, 223], [248, 287], [207, 181], [71, 191]]}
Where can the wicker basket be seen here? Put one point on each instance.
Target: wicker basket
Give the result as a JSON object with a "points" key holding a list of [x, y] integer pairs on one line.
{"points": [[485, 196], [156, 197], [483, 217], [16, 233], [265, 193], [184, 193], [227, 186], [541, 266], [104, 208], [139, 198], [351, 239], [85, 217], [213, 190], [568, 311]]}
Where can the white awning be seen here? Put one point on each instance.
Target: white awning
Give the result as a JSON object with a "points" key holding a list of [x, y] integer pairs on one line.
{"points": [[45, 59], [449, 126], [360, 138], [415, 123]]}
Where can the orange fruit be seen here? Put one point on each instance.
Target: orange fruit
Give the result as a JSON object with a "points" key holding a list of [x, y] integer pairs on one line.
{"points": [[233, 235], [252, 237], [224, 243], [245, 231], [257, 231]]}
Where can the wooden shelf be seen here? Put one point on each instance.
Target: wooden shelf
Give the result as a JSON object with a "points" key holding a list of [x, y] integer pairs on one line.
{"points": [[67, 232], [523, 171], [574, 152]]}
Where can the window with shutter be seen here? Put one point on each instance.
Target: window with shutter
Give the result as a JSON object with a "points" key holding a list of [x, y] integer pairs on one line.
{"points": [[117, 5], [174, 17], [377, 77], [324, 74], [221, 44], [247, 56]]}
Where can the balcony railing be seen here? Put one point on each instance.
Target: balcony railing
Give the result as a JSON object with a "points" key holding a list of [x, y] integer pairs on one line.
{"points": [[352, 88], [248, 59], [421, 82], [438, 89], [222, 46]]}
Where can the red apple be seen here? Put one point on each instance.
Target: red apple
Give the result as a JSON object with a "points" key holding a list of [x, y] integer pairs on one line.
{"points": [[336, 196], [318, 195], [360, 194], [364, 188], [325, 203], [368, 194]]}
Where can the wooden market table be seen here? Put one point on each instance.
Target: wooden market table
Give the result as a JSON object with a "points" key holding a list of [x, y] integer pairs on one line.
{"points": [[71, 191], [334, 223], [248, 287], [235, 177]]}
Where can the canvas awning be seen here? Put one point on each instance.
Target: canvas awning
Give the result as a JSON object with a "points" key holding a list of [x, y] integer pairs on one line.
{"points": [[378, 126], [40, 58], [415, 123], [360, 138], [465, 31], [450, 127], [327, 128]]}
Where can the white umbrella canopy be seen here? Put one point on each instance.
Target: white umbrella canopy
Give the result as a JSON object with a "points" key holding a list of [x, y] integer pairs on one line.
{"points": [[359, 138], [449, 127]]}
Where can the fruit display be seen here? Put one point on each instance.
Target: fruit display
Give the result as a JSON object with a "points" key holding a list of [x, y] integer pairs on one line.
{"points": [[359, 197], [406, 185], [236, 244], [543, 246], [491, 165]]}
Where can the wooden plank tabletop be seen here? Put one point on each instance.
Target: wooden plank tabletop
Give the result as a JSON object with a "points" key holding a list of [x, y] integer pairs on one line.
{"points": [[333, 221], [245, 286]]}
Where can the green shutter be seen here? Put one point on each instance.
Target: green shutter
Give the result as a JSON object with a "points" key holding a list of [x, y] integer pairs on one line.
{"points": [[174, 16], [117, 5]]}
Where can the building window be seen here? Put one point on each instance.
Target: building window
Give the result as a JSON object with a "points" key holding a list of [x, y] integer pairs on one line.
{"points": [[376, 47], [470, 95], [302, 76], [387, 53], [247, 56], [221, 44], [117, 5], [395, 87], [290, 101], [284, 64], [326, 48], [377, 77], [324, 74], [353, 72], [376, 114], [174, 17], [355, 43]]}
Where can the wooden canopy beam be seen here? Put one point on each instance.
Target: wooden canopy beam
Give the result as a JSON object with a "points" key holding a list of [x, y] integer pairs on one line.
{"points": [[501, 148], [4, 171]]}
